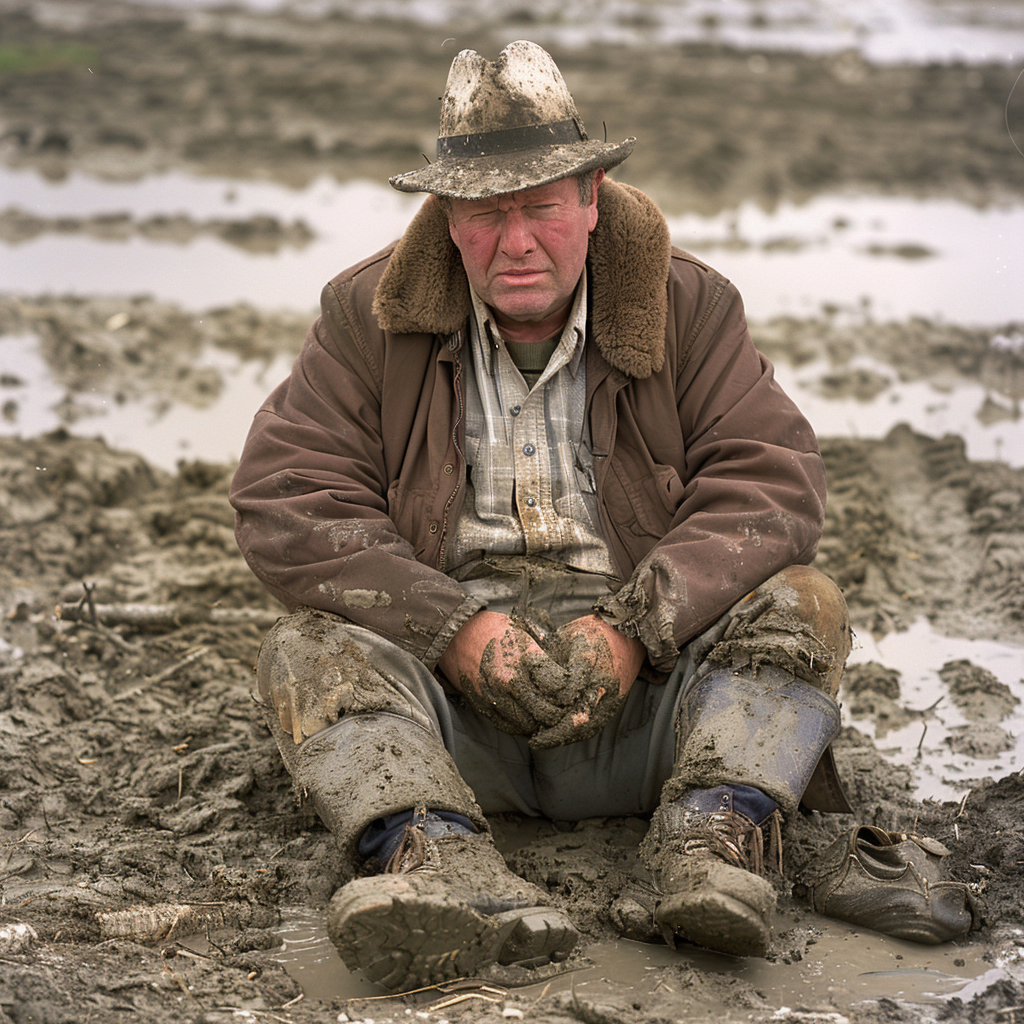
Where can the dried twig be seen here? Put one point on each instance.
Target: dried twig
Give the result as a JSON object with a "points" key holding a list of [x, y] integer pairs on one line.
{"points": [[461, 997], [89, 602], [174, 669], [165, 616]]}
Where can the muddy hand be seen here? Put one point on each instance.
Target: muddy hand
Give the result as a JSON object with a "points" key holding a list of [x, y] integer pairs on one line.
{"points": [[601, 665], [503, 674], [597, 700], [519, 703]]}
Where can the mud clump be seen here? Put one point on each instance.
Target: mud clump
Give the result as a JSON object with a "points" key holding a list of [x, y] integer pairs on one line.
{"points": [[976, 691], [984, 701], [872, 691]]}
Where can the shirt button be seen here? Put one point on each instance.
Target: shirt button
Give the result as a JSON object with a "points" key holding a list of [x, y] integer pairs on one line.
{"points": [[449, 469], [528, 449], [516, 410], [531, 502], [432, 527]]}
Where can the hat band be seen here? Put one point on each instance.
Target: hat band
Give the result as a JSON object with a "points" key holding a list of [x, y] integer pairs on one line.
{"points": [[510, 140]]}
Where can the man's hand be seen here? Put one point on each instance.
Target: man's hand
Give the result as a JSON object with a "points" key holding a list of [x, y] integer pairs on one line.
{"points": [[602, 665], [504, 674], [555, 698], [600, 642]]}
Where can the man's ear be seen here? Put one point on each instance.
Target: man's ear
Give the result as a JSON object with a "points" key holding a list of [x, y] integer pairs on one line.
{"points": [[592, 209]]}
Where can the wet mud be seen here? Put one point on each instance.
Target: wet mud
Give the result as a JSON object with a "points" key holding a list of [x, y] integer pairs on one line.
{"points": [[150, 842], [125, 91], [256, 235]]}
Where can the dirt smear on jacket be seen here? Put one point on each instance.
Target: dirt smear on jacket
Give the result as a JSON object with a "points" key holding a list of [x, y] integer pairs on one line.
{"points": [[151, 847]]}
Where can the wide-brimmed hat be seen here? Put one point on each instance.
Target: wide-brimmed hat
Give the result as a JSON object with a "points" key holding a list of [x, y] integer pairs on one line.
{"points": [[508, 125]]}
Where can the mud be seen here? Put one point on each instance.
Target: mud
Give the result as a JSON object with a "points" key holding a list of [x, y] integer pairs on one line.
{"points": [[138, 776], [256, 235], [142, 795], [123, 91], [120, 349]]}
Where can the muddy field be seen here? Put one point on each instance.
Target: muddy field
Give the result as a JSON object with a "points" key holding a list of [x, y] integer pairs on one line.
{"points": [[150, 846]]}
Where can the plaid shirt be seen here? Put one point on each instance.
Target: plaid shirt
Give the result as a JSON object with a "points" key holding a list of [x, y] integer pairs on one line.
{"points": [[530, 487]]}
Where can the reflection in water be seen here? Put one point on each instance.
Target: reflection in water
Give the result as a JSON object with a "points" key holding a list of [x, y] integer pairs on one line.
{"points": [[918, 654], [834, 970], [895, 257]]}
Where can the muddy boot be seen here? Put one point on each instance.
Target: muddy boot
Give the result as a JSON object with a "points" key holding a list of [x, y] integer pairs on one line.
{"points": [[447, 906], [709, 863], [749, 743]]}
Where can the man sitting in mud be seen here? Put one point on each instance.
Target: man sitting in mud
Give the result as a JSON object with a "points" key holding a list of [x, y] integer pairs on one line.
{"points": [[543, 521]]}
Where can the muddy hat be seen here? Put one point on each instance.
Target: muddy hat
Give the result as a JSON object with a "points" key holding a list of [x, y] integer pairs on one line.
{"points": [[508, 125]]}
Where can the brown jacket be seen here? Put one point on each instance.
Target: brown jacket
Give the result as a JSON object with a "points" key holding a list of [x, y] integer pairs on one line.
{"points": [[709, 478]]}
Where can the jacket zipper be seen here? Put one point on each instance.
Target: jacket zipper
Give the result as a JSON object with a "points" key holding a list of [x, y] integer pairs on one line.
{"points": [[455, 344]]}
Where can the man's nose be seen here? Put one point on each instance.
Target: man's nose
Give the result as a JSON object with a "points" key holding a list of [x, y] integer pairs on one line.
{"points": [[516, 237]]}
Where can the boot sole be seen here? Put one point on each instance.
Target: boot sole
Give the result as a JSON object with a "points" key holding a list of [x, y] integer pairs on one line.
{"points": [[716, 921], [410, 940]]}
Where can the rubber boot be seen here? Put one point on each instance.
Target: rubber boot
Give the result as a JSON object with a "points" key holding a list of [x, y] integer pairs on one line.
{"points": [[368, 766], [748, 745]]}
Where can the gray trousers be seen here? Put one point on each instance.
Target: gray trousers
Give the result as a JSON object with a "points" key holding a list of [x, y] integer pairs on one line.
{"points": [[619, 771], [314, 660]]}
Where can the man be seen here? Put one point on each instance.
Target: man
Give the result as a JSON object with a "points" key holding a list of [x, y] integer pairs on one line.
{"points": [[543, 520]]}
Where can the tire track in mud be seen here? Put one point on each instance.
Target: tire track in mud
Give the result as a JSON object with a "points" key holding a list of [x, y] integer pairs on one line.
{"points": [[915, 529]]}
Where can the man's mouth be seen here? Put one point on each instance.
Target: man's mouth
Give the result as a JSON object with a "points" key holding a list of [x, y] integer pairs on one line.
{"points": [[520, 274]]}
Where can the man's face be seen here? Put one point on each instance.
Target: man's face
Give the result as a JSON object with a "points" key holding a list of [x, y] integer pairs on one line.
{"points": [[524, 251]]}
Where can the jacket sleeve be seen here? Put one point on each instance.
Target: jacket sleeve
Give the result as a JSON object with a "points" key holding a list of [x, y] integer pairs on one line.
{"points": [[749, 496], [311, 506]]}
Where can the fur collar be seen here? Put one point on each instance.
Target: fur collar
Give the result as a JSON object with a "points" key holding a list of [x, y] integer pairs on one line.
{"points": [[424, 288]]}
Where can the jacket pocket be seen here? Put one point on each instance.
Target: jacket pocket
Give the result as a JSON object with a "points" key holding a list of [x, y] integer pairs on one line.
{"points": [[655, 499]]}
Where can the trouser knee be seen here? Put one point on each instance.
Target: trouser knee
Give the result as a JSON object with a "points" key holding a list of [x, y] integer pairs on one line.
{"points": [[797, 620], [355, 738], [311, 671]]}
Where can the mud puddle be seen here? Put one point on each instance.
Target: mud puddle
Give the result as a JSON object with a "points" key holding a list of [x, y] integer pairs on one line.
{"points": [[842, 966], [893, 30], [344, 223], [897, 257], [33, 401], [928, 725], [865, 397], [894, 256]]}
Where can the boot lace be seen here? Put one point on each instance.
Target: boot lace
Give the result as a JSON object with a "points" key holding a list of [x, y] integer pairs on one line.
{"points": [[733, 838], [411, 854]]}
